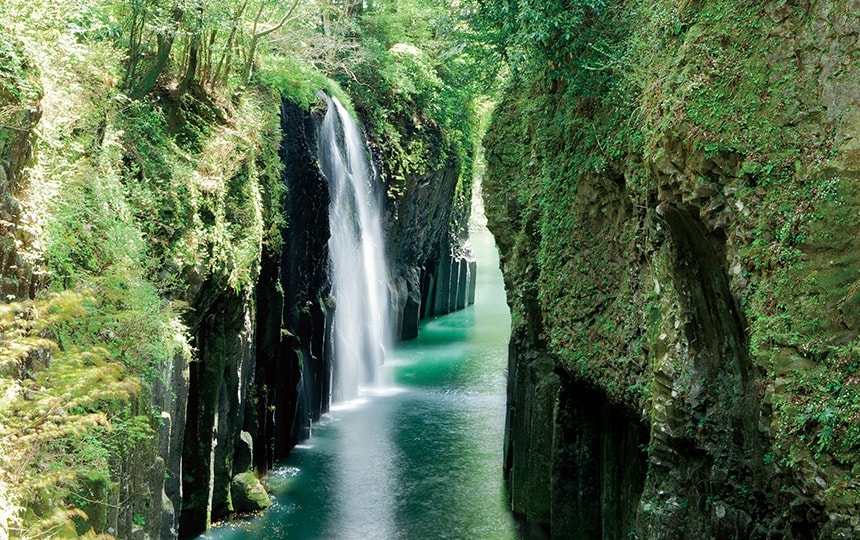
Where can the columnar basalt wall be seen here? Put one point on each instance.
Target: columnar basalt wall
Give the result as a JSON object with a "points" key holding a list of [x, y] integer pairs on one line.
{"points": [[262, 372], [433, 272], [170, 396], [679, 237], [294, 361], [219, 384]]}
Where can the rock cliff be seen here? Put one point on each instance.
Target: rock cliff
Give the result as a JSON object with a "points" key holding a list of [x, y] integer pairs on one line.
{"points": [[433, 271], [20, 110], [676, 204], [294, 366]]}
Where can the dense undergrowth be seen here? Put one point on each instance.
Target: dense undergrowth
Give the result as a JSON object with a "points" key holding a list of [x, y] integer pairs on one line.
{"points": [[124, 206], [156, 168]]}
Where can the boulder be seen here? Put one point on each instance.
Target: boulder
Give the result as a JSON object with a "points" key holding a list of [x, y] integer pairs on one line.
{"points": [[248, 493]]}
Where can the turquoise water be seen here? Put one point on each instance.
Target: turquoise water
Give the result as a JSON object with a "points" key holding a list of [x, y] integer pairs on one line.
{"points": [[419, 456]]}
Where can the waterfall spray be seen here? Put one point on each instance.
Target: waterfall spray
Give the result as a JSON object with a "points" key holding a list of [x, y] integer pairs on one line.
{"points": [[358, 267]]}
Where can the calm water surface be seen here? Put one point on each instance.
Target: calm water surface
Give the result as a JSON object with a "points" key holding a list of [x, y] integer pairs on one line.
{"points": [[418, 457]]}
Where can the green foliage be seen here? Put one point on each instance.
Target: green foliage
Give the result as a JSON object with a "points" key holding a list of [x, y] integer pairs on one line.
{"points": [[558, 144], [558, 38], [212, 202], [18, 76], [297, 81], [406, 69], [56, 403], [819, 410], [410, 74], [213, 44]]}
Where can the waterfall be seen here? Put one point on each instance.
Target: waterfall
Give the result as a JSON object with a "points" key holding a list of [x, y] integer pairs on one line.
{"points": [[358, 267]]}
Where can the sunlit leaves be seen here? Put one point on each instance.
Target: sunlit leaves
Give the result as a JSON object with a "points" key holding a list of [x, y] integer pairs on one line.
{"points": [[52, 398]]}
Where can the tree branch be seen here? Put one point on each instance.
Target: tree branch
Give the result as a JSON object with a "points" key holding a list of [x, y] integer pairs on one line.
{"points": [[282, 21]]}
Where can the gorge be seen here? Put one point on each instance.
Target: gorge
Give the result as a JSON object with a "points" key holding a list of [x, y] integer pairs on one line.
{"points": [[323, 334], [358, 263], [672, 186]]}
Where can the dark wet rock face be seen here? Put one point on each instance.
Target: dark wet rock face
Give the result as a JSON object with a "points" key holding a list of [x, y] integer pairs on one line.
{"points": [[432, 272], [262, 371], [294, 363]]}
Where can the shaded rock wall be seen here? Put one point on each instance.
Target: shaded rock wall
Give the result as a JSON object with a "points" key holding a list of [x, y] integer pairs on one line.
{"points": [[573, 460], [20, 111], [170, 396], [294, 363], [679, 240], [263, 369], [219, 385], [433, 272]]}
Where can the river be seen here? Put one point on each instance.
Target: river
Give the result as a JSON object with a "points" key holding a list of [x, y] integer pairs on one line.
{"points": [[417, 456]]}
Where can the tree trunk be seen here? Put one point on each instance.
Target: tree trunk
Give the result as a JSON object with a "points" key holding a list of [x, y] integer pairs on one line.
{"points": [[165, 42]]}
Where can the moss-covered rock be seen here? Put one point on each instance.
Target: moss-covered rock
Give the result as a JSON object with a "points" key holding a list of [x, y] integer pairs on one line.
{"points": [[248, 493], [676, 205], [20, 111]]}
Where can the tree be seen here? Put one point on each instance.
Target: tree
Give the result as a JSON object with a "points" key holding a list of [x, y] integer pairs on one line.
{"points": [[226, 58], [258, 33], [147, 17]]}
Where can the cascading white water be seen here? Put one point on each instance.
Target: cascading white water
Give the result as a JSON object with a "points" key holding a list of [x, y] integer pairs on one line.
{"points": [[357, 261]]}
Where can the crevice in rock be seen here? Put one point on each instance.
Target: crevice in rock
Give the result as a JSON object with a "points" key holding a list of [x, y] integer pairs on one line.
{"points": [[705, 440]]}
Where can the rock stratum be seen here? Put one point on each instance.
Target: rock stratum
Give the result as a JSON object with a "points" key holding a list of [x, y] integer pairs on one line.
{"points": [[675, 196]]}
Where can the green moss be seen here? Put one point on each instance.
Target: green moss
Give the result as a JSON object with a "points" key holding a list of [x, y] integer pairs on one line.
{"points": [[702, 106], [248, 494]]}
